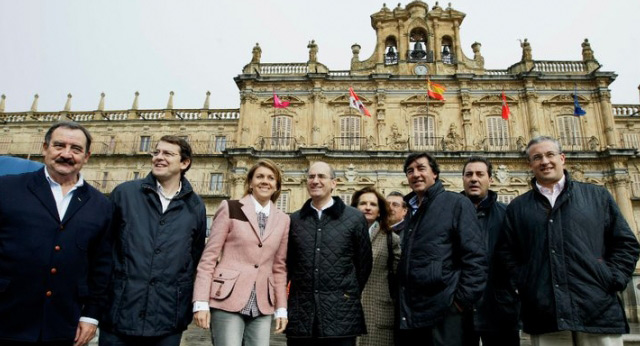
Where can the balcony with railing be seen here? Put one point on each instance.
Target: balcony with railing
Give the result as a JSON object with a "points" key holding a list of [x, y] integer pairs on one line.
{"points": [[276, 143], [426, 144], [579, 144], [283, 68], [349, 143], [499, 144], [121, 115]]}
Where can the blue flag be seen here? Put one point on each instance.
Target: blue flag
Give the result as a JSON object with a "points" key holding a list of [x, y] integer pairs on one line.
{"points": [[577, 110]]}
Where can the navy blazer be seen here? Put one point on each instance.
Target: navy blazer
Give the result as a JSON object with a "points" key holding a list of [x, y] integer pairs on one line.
{"points": [[52, 271]]}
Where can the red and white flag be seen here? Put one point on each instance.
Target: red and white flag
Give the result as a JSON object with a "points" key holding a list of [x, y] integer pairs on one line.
{"points": [[279, 104], [505, 107], [354, 102]]}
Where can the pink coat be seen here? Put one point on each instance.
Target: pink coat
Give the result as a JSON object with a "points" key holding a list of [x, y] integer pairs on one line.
{"points": [[235, 258]]}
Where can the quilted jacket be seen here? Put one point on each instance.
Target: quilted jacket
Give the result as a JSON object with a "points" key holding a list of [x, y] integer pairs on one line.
{"points": [[569, 261], [329, 261]]}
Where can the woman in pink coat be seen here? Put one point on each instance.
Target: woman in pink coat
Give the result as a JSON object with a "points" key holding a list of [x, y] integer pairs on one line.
{"points": [[242, 277]]}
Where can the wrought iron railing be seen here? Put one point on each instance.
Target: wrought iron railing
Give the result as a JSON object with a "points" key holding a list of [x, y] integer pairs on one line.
{"points": [[202, 188], [426, 143], [350, 143], [276, 143], [580, 143], [503, 144]]}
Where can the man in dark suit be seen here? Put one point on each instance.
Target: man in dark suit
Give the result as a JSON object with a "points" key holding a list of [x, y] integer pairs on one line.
{"points": [[55, 255], [398, 209]]}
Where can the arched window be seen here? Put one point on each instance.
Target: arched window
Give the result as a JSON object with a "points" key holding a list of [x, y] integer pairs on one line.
{"points": [[418, 48], [497, 134], [281, 133], [350, 134], [446, 51], [391, 51], [570, 133], [424, 134]]}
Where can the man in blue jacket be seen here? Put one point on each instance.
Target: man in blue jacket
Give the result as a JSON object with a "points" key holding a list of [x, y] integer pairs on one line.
{"points": [[54, 250], [569, 251], [442, 269], [159, 228]]}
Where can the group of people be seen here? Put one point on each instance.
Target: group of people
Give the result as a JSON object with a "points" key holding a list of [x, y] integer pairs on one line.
{"points": [[434, 267]]}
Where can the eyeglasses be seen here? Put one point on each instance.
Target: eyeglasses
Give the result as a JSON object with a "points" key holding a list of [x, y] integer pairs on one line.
{"points": [[549, 155], [164, 153]]}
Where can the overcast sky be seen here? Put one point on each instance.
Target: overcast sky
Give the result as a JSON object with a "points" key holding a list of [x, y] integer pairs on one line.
{"points": [[85, 47]]}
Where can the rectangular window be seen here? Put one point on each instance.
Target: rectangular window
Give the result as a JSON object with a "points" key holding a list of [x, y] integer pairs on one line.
{"points": [[136, 175], [424, 133], [209, 223], [506, 198], [631, 140], [569, 131], [350, 133], [497, 133], [635, 185], [220, 143], [283, 201], [215, 183], [346, 197], [145, 144]]}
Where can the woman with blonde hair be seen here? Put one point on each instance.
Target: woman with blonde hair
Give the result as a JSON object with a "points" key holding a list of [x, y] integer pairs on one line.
{"points": [[242, 277]]}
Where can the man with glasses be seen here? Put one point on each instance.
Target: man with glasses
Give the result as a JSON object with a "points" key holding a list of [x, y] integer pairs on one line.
{"points": [[397, 211], [329, 261], [569, 252], [159, 227], [442, 269]]}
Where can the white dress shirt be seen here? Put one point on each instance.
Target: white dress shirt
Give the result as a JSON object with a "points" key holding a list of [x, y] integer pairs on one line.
{"points": [[62, 203], [552, 193], [326, 206]]}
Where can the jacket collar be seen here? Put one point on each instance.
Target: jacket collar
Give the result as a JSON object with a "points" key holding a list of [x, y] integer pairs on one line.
{"points": [[334, 211], [486, 203], [434, 190], [150, 183], [567, 184], [40, 187]]}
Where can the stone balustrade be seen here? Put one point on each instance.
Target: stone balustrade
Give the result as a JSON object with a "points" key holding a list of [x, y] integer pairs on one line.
{"points": [[625, 110], [564, 67], [284, 68]]}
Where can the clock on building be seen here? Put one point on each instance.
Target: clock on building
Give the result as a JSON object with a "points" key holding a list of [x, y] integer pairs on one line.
{"points": [[420, 70]]}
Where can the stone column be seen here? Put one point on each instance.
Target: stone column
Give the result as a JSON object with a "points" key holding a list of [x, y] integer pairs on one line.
{"points": [[434, 45], [534, 126], [456, 40], [607, 117]]}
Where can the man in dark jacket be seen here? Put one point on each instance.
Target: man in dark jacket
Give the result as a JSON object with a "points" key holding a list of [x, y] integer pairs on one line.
{"points": [[495, 317], [54, 247], [442, 270], [329, 261], [159, 230], [570, 251]]}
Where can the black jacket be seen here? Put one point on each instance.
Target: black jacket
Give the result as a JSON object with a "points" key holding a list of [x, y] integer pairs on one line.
{"points": [[568, 261], [498, 308], [155, 259], [34, 242], [329, 261], [443, 258]]}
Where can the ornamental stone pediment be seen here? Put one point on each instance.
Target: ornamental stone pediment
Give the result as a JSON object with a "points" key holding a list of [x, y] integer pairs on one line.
{"points": [[293, 101], [491, 100], [420, 100], [565, 99], [344, 99]]}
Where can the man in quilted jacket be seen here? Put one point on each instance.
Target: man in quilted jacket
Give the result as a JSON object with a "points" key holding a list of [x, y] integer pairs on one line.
{"points": [[329, 261]]}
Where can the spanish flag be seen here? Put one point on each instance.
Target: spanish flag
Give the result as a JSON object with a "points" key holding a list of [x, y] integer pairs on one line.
{"points": [[435, 91]]}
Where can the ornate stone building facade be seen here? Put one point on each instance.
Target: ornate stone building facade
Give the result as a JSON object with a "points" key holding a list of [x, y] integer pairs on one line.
{"points": [[413, 42]]}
